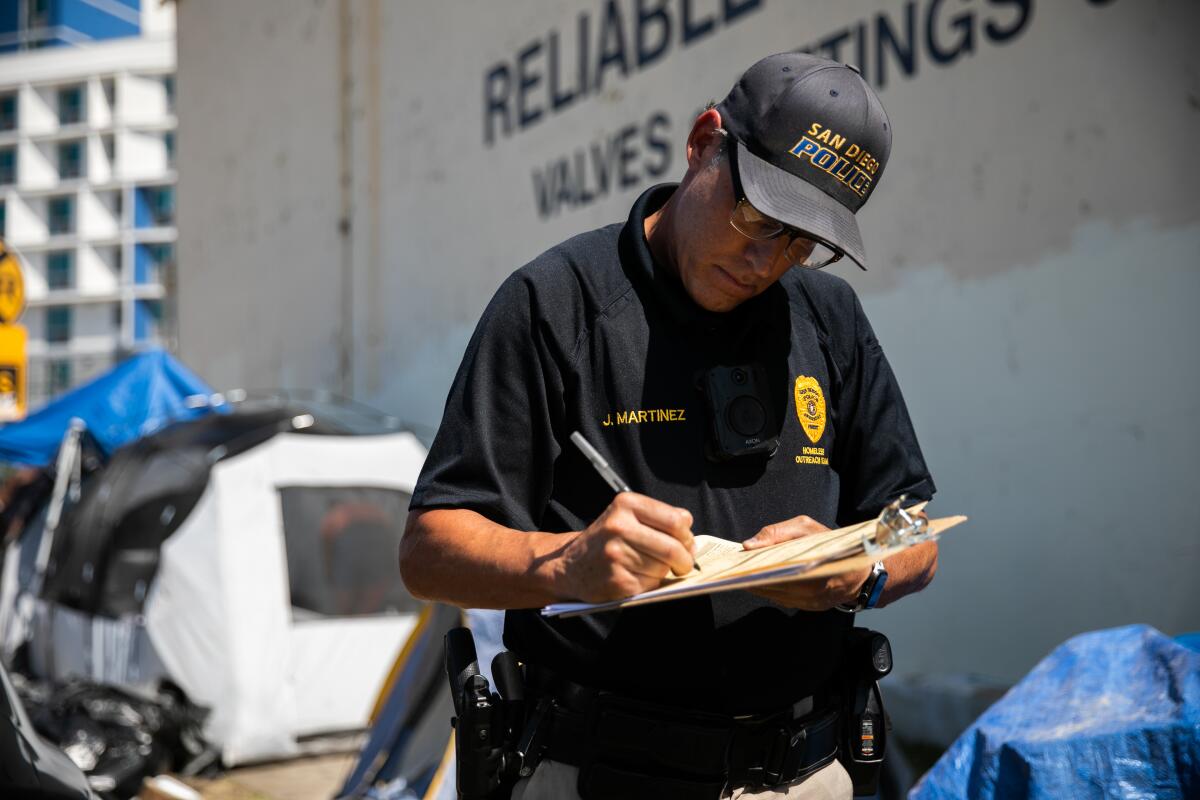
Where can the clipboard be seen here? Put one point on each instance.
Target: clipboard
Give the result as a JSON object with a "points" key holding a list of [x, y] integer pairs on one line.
{"points": [[725, 566]]}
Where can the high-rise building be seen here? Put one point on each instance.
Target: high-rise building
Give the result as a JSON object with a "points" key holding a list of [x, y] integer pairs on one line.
{"points": [[87, 179]]}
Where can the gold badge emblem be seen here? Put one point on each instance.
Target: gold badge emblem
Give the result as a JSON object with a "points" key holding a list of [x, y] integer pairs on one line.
{"points": [[810, 407]]}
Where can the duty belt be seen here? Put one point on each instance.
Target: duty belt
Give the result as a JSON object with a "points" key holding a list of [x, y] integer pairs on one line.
{"points": [[602, 731]]}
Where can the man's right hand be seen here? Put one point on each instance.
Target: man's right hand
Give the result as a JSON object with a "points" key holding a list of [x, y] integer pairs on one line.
{"points": [[629, 549]]}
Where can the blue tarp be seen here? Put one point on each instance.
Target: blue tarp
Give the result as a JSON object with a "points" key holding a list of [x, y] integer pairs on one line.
{"points": [[1191, 640], [1108, 714], [133, 399]]}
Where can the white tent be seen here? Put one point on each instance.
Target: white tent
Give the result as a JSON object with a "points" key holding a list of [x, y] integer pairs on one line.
{"points": [[220, 616], [245, 609]]}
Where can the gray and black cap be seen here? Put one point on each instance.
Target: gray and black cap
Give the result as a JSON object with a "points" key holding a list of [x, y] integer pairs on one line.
{"points": [[812, 142]]}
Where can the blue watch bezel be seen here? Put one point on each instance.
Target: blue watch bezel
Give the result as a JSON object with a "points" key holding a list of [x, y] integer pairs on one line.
{"points": [[876, 588]]}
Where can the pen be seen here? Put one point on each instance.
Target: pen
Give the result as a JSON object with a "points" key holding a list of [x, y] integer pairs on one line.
{"points": [[605, 471]]}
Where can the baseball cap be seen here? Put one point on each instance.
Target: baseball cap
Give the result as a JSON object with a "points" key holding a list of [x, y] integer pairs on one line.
{"points": [[812, 140]]}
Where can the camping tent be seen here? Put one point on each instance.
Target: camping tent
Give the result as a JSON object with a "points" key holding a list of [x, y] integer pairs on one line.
{"points": [[255, 570], [134, 398]]}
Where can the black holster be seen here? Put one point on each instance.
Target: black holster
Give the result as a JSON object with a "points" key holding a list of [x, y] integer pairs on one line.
{"points": [[486, 724]]}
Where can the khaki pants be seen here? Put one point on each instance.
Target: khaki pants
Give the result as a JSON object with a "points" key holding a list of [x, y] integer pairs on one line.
{"points": [[556, 781]]}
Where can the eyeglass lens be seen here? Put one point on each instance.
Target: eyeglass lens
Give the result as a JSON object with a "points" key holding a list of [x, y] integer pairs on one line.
{"points": [[804, 252]]}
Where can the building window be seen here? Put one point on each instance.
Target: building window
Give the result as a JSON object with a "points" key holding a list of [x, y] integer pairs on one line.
{"points": [[117, 316], [37, 14], [162, 258], [62, 214], [60, 269], [169, 146], [8, 165], [169, 91], [162, 205], [70, 159], [162, 253], [58, 324], [3, 219], [58, 376], [8, 111], [70, 105]]}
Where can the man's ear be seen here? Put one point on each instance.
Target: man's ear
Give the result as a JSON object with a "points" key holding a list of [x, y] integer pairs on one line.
{"points": [[706, 136]]}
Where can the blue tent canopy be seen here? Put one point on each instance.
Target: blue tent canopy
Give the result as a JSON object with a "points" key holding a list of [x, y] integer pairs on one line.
{"points": [[134, 398]]}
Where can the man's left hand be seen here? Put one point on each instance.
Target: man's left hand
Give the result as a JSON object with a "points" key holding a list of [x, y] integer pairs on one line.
{"points": [[909, 571], [808, 595]]}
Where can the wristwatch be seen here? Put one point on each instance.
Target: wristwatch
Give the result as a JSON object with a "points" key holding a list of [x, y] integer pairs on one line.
{"points": [[869, 594]]}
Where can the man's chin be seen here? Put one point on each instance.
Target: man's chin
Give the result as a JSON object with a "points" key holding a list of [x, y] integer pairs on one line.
{"points": [[727, 284], [721, 293], [720, 303]]}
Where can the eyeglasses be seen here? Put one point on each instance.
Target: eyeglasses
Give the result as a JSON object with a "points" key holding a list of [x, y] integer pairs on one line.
{"points": [[803, 249]]}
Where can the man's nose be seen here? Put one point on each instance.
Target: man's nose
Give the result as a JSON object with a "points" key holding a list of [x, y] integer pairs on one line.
{"points": [[763, 254]]}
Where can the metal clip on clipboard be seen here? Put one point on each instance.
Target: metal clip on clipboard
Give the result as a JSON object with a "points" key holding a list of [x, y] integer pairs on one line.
{"points": [[896, 526]]}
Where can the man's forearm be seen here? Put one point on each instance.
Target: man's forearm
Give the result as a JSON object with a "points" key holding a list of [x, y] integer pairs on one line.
{"points": [[459, 557], [909, 571]]}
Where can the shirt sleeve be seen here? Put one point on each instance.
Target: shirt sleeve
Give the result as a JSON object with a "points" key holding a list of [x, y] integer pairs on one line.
{"points": [[877, 455], [495, 449]]}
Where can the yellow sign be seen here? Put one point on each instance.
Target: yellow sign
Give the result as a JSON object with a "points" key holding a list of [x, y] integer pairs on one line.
{"points": [[810, 407], [14, 370], [12, 286]]}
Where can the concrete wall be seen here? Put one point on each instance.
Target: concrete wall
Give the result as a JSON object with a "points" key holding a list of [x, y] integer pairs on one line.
{"points": [[258, 143], [348, 205]]}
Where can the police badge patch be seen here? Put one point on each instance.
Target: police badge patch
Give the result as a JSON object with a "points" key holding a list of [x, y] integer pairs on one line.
{"points": [[810, 407]]}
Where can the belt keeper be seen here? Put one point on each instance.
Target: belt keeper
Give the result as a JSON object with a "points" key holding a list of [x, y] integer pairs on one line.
{"points": [[797, 749], [787, 750], [777, 757]]}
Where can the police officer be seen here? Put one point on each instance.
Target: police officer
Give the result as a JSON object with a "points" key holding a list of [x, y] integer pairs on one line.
{"points": [[628, 334]]}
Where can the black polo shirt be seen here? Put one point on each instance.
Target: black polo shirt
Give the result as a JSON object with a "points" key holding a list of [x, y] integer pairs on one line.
{"points": [[594, 336]]}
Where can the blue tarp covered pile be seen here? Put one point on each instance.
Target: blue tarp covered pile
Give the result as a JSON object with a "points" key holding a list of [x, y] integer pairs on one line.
{"points": [[1113, 713], [133, 399]]}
